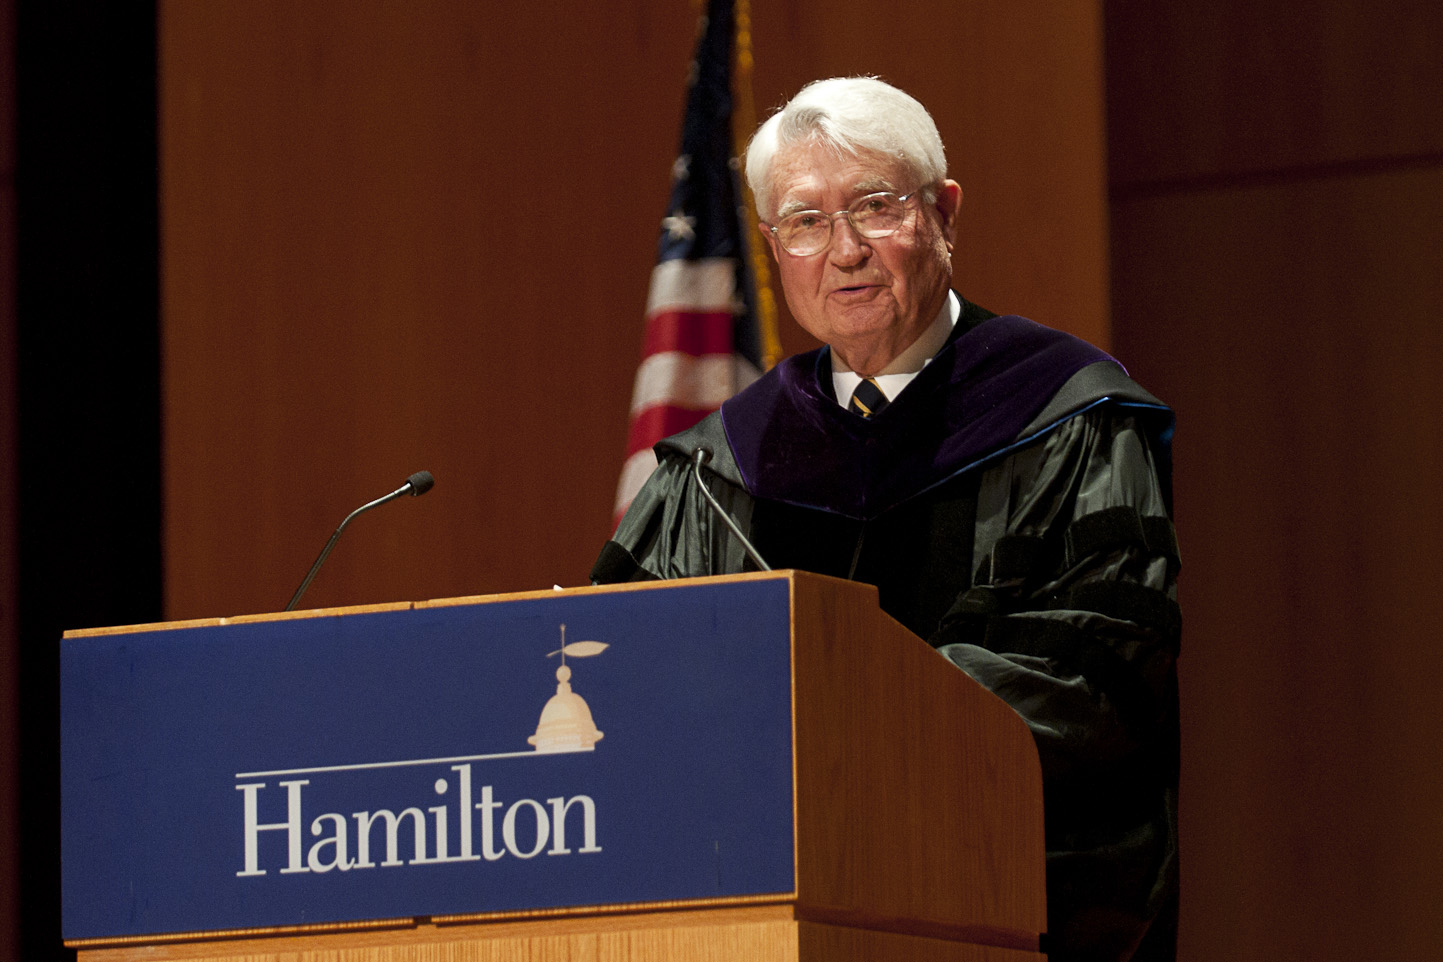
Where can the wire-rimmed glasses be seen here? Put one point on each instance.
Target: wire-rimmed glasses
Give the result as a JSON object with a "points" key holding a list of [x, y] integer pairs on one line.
{"points": [[872, 215]]}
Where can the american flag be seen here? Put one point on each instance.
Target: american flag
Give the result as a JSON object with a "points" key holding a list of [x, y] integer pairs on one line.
{"points": [[703, 339]]}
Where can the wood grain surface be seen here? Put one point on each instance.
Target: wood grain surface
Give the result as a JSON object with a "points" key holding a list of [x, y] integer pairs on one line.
{"points": [[723, 935]]}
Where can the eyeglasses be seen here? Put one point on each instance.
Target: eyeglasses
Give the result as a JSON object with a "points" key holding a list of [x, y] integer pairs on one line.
{"points": [[810, 231]]}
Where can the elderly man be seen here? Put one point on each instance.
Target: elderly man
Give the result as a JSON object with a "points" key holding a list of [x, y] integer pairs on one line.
{"points": [[1004, 485]]}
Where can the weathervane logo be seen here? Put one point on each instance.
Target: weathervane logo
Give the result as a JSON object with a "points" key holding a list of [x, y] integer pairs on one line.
{"points": [[526, 827], [566, 723]]}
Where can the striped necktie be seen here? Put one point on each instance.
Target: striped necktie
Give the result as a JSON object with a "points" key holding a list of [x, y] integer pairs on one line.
{"points": [[868, 401]]}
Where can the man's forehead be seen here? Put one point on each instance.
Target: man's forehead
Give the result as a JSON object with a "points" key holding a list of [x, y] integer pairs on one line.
{"points": [[807, 178]]}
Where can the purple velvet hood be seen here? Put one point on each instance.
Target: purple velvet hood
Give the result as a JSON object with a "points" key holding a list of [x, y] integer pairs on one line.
{"points": [[792, 442]]}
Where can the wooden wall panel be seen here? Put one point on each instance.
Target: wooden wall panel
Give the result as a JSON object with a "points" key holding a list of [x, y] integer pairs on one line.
{"points": [[1294, 327], [1233, 86], [419, 236], [388, 249], [1277, 251], [1277, 184], [1016, 89]]}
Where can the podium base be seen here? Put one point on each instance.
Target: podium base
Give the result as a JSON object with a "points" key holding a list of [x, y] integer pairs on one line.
{"points": [[751, 934]]}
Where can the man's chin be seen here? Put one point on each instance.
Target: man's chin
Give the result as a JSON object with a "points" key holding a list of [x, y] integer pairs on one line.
{"points": [[863, 320]]}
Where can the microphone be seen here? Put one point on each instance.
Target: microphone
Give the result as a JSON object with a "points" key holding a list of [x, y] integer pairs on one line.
{"points": [[416, 485], [699, 457]]}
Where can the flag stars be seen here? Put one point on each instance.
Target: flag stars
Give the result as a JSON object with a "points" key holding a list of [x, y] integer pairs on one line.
{"points": [[681, 168], [679, 226]]}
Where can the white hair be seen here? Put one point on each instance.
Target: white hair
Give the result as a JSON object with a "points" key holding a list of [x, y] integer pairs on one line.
{"points": [[852, 116]]}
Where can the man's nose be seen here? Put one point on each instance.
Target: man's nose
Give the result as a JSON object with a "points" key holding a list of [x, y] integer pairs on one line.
{"points": [[848, 246]]}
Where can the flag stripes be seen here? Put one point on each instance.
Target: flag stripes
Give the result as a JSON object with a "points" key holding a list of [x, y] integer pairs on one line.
{"points": [[701, 342]]}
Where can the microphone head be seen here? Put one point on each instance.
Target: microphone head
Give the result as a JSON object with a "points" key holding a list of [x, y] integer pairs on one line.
{"points": [[420, 483]]}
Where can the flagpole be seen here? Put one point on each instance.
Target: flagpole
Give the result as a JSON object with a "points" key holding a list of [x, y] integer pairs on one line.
{"points": [[744, 124]]}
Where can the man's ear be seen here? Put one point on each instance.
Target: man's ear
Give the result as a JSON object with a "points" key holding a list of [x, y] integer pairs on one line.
{"points": [[771, 240], [949, 205]]}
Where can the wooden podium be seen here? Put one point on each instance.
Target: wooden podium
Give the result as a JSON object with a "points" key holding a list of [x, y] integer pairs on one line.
{"points": [[915, 796]]}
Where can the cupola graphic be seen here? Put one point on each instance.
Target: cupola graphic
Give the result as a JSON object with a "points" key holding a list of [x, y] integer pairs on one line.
{"points": [[566, 724]]}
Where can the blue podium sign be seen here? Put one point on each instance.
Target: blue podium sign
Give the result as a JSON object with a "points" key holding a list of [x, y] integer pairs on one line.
{"points": [[577, 749]]}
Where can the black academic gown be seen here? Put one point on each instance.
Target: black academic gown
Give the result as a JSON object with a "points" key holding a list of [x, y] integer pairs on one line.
{"points": [[1012, 507]]}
